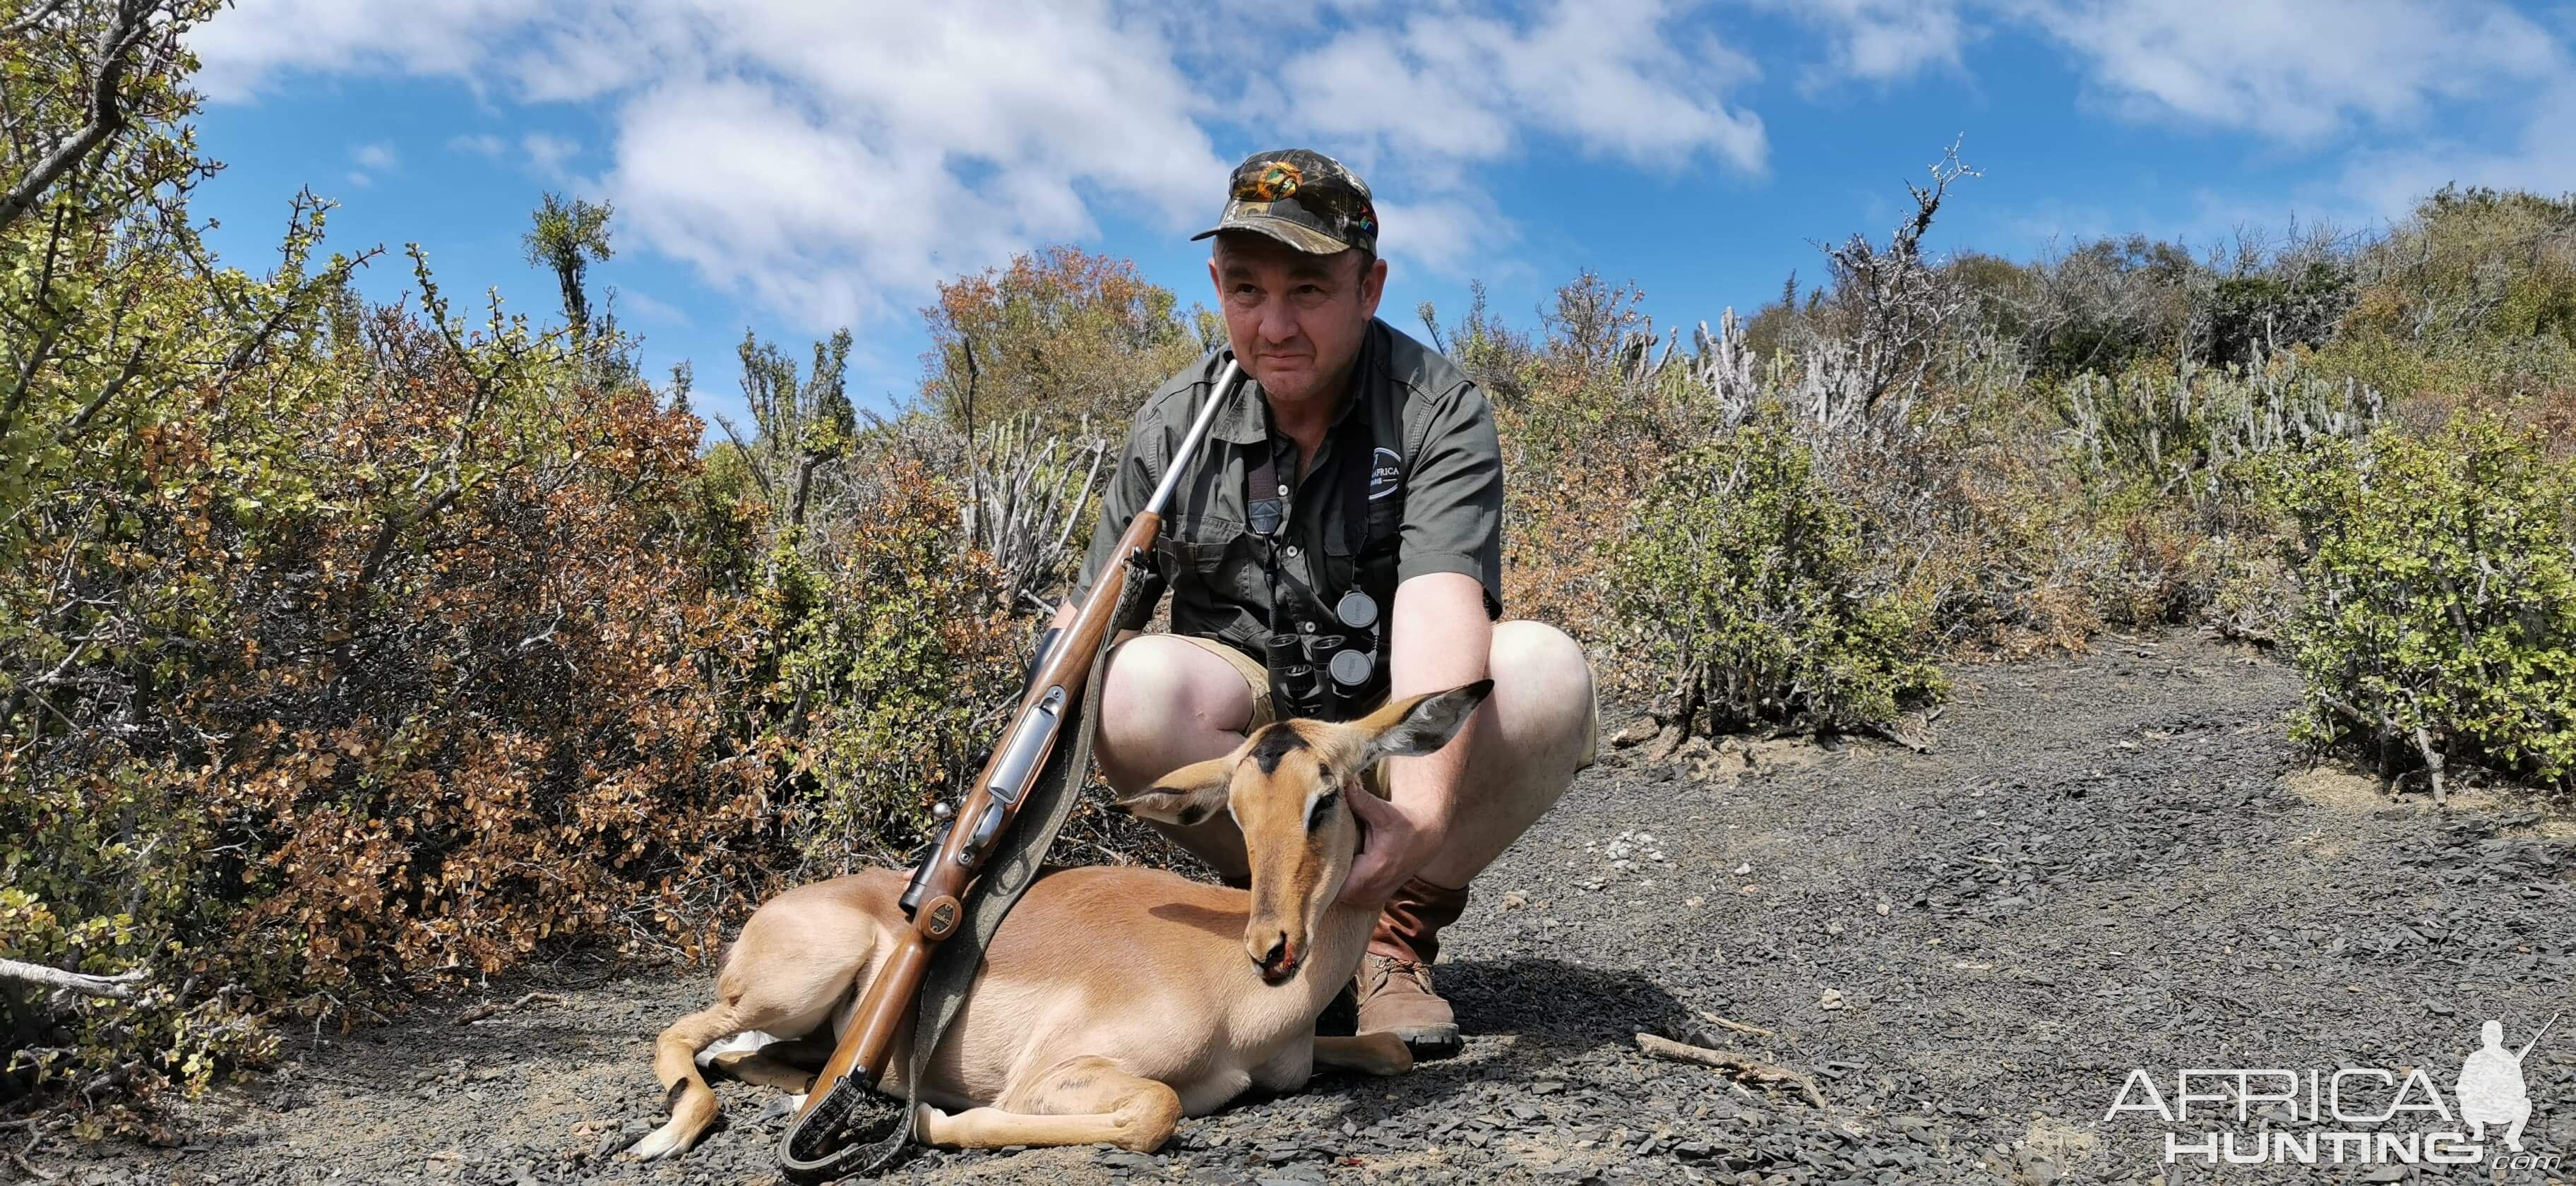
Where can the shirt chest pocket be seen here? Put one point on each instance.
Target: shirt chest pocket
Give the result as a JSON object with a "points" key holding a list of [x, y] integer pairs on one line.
{"points": [[1198, 551], [1384, 524]]}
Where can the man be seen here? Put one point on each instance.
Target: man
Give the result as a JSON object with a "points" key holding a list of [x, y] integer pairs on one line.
{"points": [[1337, 541]]}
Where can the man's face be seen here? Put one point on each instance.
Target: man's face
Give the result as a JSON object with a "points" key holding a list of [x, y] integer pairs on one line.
{"points": [[1295, 318]]}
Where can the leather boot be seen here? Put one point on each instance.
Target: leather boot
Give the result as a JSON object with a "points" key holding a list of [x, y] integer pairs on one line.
{"points": [[1393, 986]]}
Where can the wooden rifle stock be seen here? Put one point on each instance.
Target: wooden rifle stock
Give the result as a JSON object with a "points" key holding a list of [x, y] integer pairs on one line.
{"points": [[998, 792], [869, 1042]]}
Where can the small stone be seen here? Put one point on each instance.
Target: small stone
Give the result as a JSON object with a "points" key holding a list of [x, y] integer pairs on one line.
{"points": [[1833, 999]]}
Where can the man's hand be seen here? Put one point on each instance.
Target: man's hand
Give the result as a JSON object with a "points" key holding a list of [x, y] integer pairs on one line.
{"points": [[1439, 638], [1393, 846]]}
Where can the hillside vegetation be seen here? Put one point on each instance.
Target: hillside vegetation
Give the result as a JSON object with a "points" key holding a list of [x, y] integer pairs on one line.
{"points": [[351, 652]]}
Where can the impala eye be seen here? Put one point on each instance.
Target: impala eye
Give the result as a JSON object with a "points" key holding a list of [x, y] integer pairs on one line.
{"points": [[1323, 803]]}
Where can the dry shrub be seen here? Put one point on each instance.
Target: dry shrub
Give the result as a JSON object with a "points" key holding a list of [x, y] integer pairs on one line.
{"points": [[1061, 334], [1746, 587], [425, 671]]}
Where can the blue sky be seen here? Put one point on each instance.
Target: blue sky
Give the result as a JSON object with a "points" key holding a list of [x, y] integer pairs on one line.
{"points": [[791, 166]]}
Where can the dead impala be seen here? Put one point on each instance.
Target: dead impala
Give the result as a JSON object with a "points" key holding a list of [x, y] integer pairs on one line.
{"points": [[1113, 1000]]}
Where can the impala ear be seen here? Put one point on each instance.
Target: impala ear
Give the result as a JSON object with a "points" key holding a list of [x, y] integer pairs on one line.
{"points": [[1186, 796], [1419, 725]]}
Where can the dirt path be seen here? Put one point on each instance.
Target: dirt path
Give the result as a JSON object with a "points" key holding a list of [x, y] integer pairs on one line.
{"points": [[2108, 863]]}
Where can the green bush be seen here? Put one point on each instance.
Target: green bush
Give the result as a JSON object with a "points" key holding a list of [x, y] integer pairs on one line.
{"points": [[2438, 581], [1747, 585], [895, 665]]}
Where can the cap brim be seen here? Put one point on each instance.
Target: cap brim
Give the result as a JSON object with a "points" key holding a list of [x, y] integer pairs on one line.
{"points": [[1294, 234]]}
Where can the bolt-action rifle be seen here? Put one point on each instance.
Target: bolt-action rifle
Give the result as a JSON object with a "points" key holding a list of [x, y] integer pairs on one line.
{"points": [[935, 899]]}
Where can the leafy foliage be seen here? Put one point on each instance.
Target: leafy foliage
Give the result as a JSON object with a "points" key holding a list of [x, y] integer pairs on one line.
{"points": [[350, 653], [2439, 588], [1746, 578], [1062, 334]]}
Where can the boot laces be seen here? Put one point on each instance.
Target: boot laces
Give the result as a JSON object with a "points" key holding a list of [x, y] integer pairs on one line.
{"points": [[1389, 968]]}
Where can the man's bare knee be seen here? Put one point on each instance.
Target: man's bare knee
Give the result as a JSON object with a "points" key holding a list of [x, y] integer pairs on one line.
{"points": [[1164, 704], [1543, 672]]}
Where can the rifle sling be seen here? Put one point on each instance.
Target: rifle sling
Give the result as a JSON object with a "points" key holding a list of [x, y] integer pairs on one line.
{"points": [[1015, 862]]}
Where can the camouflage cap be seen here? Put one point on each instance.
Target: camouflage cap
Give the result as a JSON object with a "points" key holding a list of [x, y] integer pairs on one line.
{"points": [[1302, 198]]}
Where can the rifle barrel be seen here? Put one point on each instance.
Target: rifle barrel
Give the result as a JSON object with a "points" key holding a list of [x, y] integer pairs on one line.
{"points": [[2535, 1038], [1217, 396]]}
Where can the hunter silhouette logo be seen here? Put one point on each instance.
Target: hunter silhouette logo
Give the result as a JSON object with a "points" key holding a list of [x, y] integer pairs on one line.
{"points": [[2349, 1114], [2490, 1086]]}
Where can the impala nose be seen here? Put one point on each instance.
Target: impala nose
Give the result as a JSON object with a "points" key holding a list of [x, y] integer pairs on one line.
{"points": [[1279, 961]]}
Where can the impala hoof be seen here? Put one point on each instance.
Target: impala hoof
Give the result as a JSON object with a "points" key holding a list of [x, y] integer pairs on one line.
{"points": [[666, 1141]]}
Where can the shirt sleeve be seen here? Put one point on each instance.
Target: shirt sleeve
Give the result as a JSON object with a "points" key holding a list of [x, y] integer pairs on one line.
{"points": [[1121, 497], [1453, 500]]}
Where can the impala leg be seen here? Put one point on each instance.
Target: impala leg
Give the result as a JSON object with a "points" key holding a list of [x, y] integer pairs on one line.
{"points": [[1375, 1054], [761, 1068], [1080, 1101], [751, 995], [686, 1096]]}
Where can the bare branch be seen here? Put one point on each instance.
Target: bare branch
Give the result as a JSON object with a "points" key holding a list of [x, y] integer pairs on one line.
{"points": [[27, 24], [106, 116], [133, 361], [119, 986], [749, 462], [1741, 1066]]}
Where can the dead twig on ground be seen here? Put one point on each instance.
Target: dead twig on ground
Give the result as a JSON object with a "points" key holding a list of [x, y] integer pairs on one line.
{"points": [[29, 1169], [496, 1008], [1740, 1066], [1737, 1026], [119, 986]]}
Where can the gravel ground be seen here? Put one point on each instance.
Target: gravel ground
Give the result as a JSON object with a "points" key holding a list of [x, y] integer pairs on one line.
{"points": [[2107, 863]]}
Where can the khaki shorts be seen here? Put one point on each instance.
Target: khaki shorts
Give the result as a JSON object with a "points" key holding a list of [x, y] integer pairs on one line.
{"points": [[1256, 679]]}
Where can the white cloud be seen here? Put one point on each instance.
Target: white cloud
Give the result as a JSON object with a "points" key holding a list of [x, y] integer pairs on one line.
{"points": [[377, 157], [2294, 70], [250, 49], [1606, 75], [482, 144], [2387, 182], [1452, 236], [548, 152], [360, 180], [1877, 40], [836, 160]]}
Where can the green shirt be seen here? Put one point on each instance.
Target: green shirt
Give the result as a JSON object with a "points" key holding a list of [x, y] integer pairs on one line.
{"points": [[1450, 475]]}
